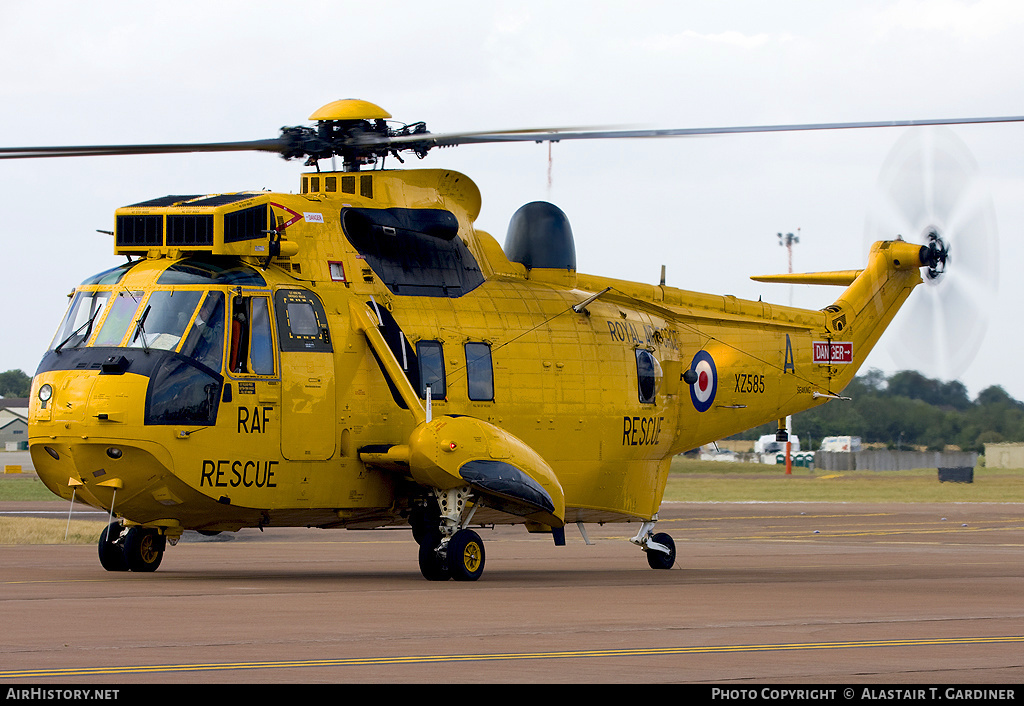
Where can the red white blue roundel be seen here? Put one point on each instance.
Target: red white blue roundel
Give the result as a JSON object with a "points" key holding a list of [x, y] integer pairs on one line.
{"points": [[702, 392]]}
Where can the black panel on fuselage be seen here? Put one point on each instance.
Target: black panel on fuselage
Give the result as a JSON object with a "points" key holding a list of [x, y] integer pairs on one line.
{"points": [[414, 252]]}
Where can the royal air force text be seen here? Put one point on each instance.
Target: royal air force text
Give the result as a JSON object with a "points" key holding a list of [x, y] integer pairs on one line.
{"points": [[627, 332]]}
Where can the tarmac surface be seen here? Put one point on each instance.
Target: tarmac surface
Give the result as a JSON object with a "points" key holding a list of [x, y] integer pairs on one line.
{"points": [[768, 593]]}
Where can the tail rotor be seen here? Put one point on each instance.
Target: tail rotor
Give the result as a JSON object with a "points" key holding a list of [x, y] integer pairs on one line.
{"points": [[930, 192]]}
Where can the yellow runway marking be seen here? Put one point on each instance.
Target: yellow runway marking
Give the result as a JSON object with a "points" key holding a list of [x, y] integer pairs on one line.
{"points": [[442, 659]]}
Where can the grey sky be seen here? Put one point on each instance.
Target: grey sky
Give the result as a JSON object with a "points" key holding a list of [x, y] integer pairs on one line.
{"points": [[709, 208]]}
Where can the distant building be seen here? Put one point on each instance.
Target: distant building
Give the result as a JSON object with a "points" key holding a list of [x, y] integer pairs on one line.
{"points": [[1004, 455], [14, 434], [14, 423], [15, 404]]}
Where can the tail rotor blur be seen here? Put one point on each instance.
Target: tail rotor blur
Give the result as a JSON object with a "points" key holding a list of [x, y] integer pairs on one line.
{"points": [[929, 192]]}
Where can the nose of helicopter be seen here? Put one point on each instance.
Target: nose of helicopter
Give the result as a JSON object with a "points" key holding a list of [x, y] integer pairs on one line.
{"points": [[82, 444], [105, 473]]}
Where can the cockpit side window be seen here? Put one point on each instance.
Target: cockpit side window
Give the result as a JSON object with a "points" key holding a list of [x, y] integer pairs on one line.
{"points": [[261, 352], [80, 321], [252, 344], [205, 342]]}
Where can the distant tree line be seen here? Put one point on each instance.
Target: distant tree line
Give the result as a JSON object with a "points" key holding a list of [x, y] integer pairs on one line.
{"points": [[910, 410], [905, 410], [14, 383]]}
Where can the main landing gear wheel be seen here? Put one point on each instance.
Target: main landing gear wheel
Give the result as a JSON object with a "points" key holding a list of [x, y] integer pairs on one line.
{"points": [[461, 559], [659, 559], [465, 555], [111, 554], [424, 522], [143, 549]]}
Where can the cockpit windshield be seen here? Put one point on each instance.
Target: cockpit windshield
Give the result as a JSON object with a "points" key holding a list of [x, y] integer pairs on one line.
{"points": [[105, 318], [186, 313], [120, 317], [164, 319]]}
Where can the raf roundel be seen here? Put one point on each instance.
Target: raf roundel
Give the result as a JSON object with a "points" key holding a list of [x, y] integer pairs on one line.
{"points": [[703, 390]]}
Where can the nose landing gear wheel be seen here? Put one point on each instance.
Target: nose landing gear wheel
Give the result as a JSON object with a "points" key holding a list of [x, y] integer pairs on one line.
{"points": [[466, 555], [143, 549]]}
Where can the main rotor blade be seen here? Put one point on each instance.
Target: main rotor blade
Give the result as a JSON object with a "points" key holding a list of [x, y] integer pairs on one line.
{"points": [[449, 139], [306, 142], [273, 145]]}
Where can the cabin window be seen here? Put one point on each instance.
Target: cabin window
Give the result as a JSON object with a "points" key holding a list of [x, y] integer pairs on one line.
{"points": [[301, 322], [302, 319], [164, 320], [121, 315], [648, 375], [479, 372], [431, 363]]}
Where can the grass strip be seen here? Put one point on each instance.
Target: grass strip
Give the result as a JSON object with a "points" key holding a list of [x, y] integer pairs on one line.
{"points": [[24, 487], [715, 481], [689, 481], [32, 530]]}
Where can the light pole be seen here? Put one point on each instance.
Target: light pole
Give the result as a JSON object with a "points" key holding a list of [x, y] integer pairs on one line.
{"points": [[788, 241]]}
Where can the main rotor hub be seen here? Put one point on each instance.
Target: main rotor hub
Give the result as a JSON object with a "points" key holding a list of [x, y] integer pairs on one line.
{"points": [[355, 130]]}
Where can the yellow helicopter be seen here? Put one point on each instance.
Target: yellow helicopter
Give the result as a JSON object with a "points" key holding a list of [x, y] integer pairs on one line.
{"points": [[359, 355]]}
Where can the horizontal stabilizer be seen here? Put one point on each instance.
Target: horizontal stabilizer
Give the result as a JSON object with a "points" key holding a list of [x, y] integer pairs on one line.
{"points": [[843, 278]]}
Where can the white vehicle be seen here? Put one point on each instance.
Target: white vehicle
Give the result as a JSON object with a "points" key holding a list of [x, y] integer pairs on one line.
{"points": [[768, 445], [767, 448], [711, 452], [841, 443]]}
